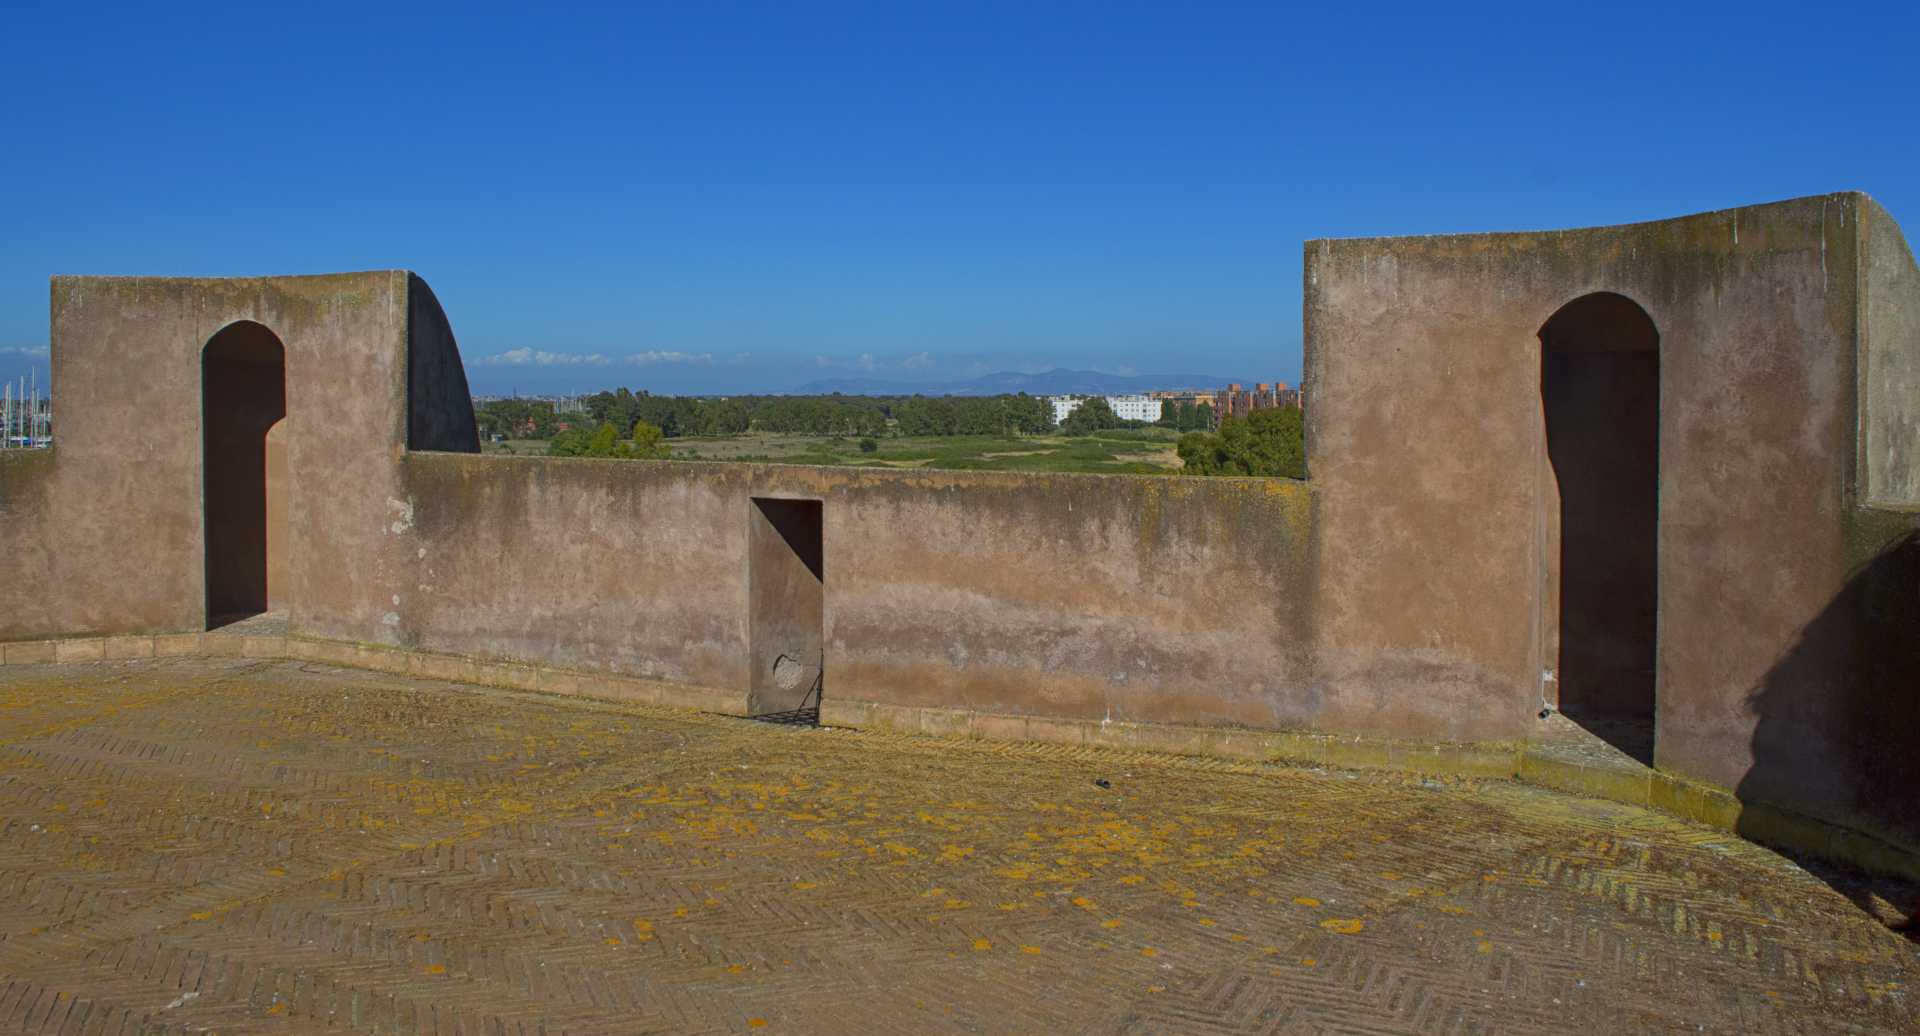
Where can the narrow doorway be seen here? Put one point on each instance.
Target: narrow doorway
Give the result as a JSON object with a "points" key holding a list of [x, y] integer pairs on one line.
{"points": [[1600, 390], [786, 593], [243, 384]]}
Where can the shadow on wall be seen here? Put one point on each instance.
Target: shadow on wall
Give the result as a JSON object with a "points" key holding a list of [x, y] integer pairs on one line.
{"points": [[1837, 728]]}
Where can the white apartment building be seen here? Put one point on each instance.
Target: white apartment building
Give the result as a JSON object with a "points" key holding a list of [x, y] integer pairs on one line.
{"points": [[1134, 408], [1126, 408]]}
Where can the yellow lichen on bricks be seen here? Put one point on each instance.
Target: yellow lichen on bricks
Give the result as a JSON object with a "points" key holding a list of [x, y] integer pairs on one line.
{"points": [[718, 826]]}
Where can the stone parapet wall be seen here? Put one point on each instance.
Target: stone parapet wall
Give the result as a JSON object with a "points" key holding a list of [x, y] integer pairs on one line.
{"points": [[1092, 596], [1410, 594]]}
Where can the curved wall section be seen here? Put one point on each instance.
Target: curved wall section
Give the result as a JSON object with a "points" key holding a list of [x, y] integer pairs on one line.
{"points": [[111, 520], [439, 408], [1785, 602]]}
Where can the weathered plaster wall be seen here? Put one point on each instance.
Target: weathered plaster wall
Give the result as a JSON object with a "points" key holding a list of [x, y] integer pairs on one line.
{"points": [[26, 514], [1835, 717], [1423, 364], [1149, 599], [613, 566], [113, 516], [279, 576], [1890, 364], [1422, 394], [1065, 595], [1843, 699]]}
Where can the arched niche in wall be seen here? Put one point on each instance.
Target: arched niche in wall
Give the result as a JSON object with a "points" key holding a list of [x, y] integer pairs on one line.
{"points": [[1600, 396], [243, 382]]}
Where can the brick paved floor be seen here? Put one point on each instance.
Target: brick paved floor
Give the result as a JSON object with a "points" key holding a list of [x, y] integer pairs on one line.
{"points": [[246, 846]]}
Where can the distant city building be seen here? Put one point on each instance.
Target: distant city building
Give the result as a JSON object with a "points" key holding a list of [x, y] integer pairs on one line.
{"points": [[1126, 408], [1235, 401], [1134, 408], [561, 404], [1232, 401], [1173, 399]]}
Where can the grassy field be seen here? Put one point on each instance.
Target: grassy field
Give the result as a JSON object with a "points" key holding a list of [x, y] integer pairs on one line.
{"points": [[1144, 451]]}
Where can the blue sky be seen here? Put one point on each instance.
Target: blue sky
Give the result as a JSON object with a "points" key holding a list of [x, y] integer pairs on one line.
{"points": [[717, 197]]}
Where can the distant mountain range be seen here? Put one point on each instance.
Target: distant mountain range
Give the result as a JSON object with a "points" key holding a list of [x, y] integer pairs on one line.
{"points": [[1060, 382]]}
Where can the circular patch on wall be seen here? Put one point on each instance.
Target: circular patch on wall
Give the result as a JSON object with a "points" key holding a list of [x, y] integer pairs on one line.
{"points": [[788, 674]]}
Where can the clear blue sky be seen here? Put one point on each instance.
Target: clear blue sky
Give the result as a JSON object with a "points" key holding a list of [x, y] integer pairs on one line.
{"points": [[749, 197]]}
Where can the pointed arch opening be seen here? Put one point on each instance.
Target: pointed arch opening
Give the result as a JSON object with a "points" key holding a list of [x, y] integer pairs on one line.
{"points": [[1600, 393], [243, 404]]}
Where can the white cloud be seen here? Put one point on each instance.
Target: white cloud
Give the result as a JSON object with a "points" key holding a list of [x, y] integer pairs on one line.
{"points": [[740, 359], [29, 350], [647, 359], [917, 361], [538, 358], [862, 362]]}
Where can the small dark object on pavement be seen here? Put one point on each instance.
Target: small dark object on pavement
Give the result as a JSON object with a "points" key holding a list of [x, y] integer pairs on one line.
{"points": [[1102, 782]]}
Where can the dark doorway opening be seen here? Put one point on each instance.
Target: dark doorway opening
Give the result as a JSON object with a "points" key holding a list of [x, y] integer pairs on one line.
{"points": [[1600, 388], [243, 385], [786, 591]]}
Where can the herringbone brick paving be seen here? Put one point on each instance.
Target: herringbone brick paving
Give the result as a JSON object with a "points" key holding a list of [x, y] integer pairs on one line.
{"points": [[241, 846]]}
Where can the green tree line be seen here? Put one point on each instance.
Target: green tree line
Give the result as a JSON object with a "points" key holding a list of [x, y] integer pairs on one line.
{"points": [[677, 416], [1265, 443]]}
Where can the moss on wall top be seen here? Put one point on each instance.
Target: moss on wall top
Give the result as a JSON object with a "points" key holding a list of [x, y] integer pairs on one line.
{"points": [[1716, 231]]}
